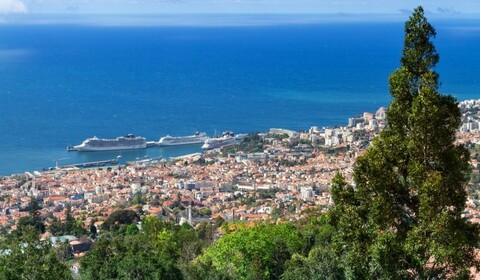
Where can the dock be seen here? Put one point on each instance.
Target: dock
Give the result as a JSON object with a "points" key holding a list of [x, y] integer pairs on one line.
{"points": [[186, 156], [94, 163], [86, 164]]}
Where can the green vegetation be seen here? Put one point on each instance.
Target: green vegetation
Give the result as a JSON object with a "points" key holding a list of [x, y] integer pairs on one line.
{"points": [[131, 257], [259, 252], [26, 257], [69, 227], [251, 143], [119, 220], [159, 251], [403, 219], [32, 220]]}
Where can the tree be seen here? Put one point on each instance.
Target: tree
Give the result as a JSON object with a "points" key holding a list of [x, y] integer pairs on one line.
{"points": [[69, 227], [132, 229], [33, 219], [93, 230], [403, 218], [319, 265], [70, 221], [28, 258], [120, 217], [100, 262], [317, 261], [154, 252], [259, 252], [129, 257]]}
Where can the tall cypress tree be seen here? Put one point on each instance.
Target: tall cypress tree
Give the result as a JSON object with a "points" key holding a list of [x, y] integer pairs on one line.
{"points": [[403, 217]]}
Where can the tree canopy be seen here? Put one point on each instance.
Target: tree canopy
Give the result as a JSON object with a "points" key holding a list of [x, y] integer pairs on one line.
{"points": [[259, 252], [120, 217], [160, 250], [402, 218], [33, 219], [68, 227], [27, 257]]}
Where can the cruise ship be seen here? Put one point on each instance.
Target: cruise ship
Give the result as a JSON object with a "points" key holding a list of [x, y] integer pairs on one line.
{"points": [[197, 138], [227, 139], [129, 142]]}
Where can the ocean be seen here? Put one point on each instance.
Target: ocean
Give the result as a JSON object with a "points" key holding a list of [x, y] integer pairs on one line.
{"points": [[63, 83]]}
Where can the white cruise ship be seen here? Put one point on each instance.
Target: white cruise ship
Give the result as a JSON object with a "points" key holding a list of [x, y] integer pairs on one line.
{"points": [[129, 142], [197, 138], [227, 139]]}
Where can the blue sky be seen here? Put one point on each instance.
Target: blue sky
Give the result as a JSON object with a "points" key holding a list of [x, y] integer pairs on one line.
{"points": [[457, 8]]}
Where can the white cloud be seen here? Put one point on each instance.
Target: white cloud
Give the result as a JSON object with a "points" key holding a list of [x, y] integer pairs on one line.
{"points": [[12, 6]]}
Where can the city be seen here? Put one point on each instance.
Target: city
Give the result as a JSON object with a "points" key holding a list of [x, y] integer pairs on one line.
{"points": [[291, 174]]}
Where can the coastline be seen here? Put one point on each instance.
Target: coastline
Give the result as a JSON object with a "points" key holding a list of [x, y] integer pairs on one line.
{"points": [[470, 122]]}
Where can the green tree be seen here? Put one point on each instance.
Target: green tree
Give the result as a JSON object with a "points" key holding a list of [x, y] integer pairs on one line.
{"points": [[68, 227], [131, 257], [93, 229], [28, 258], [259, 252], [403, 218], [132, 229], [33, 219], [100, 262], [320, 261], [138, 198], [70, 221], [118, 218], [159, 250], [319, 265]]}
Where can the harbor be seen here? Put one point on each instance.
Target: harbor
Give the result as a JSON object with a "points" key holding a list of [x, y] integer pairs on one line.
{"points": [[111, 154], [91, 164], [132, 142], [66, 160]]}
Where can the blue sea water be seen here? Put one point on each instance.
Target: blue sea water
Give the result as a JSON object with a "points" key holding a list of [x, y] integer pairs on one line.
{"points": [[62, 83]]}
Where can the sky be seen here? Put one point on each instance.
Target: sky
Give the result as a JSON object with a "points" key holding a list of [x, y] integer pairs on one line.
{"points": [[456, 8]]}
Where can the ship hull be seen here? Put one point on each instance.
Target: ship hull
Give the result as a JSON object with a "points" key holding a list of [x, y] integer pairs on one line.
{"points": [[182, 140], [218, 143], [95, 144], [170, 143], [102, 149]]}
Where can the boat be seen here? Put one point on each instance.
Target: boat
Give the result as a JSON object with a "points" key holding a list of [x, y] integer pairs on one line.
{"points": [[197, 138], [227, 139], [94, 144], [151, 144]]}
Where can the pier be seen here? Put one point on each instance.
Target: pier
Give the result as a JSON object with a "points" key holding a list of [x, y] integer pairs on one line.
{"points": [[86, 164]]}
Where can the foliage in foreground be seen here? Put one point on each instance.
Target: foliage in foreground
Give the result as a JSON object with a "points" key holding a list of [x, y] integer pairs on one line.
{"points": [[403, 219], [28, 258], [259, 252]]}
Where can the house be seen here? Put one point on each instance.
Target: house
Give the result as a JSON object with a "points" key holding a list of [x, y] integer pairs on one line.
{"points": [[81, 245]]}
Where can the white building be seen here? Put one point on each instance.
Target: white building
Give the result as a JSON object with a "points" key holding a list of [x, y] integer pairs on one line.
{"points": [[306, 193], [380, 114]]}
